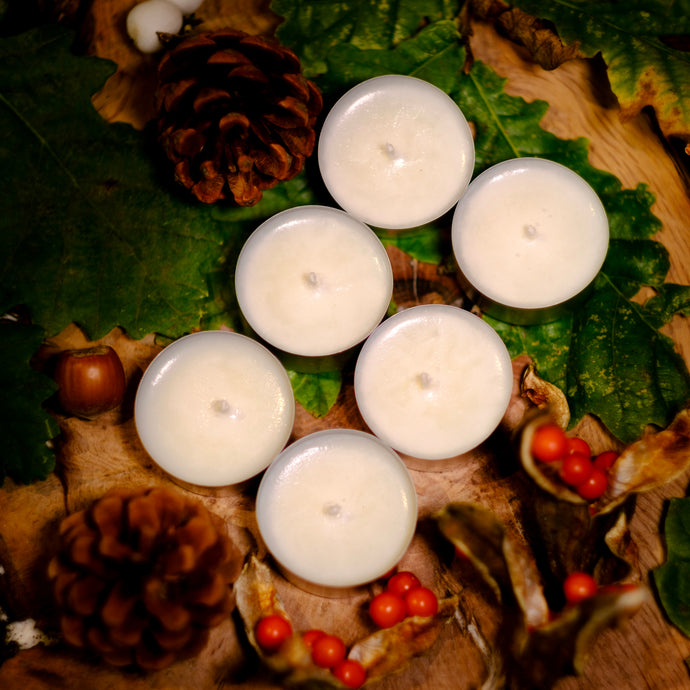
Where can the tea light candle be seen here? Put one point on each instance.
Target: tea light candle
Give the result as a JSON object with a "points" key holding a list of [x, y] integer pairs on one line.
{"points": [[433, 381], [337, 509], [214, 408], [396, 152], [529, 235], [313, 281]]}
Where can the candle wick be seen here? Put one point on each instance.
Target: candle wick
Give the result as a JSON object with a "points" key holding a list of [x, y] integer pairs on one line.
{"points": [[389, 150], [312, 280], [221, 406], [530, 231], [425, 380], [332, 510]]}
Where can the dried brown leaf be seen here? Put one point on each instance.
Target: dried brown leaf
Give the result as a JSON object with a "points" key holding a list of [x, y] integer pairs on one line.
{"points": [[385, 651], [562, 646], [536, 35], [545, 395], [390, 650], [654, 460], [537, 649], [508, 568]]}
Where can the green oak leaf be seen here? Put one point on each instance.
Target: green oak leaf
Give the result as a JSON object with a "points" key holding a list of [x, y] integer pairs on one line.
{"points": [[316, 392], [643, 68], [608, 356], [90, 232], [424, 243], [508, 127], [434, 54], [314, 27], [25, 456], [672, 578], [621, 367]]}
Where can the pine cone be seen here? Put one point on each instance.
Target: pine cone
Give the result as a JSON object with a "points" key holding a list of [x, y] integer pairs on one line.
{"points": [[236, 115], [141, 576]]}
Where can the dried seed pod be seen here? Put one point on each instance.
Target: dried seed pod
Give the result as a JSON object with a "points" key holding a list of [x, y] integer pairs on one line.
{"points": [[142, 575]]}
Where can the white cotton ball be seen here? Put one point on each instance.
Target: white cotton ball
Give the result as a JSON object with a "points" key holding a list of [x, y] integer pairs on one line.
{"points": [[149, 17], [187, 6]]}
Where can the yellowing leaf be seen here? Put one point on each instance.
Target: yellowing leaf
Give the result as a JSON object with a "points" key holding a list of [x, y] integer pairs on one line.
{"points": [[644, 69]]}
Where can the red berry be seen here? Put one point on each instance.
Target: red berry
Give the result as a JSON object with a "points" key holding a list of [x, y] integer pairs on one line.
{"points": [[576, 468], [328, 651], [271, 631], [350, 672], [311, 636], [387, 609], [594, 486], [604, 460], [578, 586], [549, 443], [578, 445], [421, 601], [402, 582]]}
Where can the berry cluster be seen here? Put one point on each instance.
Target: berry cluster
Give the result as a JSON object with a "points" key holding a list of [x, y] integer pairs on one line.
{"points": [[403, 596], [572, 457], [327, 651]]}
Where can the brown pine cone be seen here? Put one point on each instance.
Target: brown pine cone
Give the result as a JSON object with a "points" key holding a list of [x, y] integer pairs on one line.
{"points": [[142, 575], [235, 114]]}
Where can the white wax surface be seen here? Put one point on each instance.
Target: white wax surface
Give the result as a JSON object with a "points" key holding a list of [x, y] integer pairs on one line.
{"points": [[530, 233], [433, 381], [313, 281], [396, 152], [337, 508], [214, 408]]}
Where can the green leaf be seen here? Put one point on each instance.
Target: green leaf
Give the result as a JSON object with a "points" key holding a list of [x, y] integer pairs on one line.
{"points": [[643, 69], [670, 299], [608, 355], [434, 54], [672, 579], [90, 233], [621, 367], [316, 392], [644, 380], [25, 457], [313, 28]]}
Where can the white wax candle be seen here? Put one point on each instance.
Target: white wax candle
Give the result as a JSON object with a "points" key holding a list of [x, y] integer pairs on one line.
{"points": [[337, 509], [396, 152], [529, 235], [313, 281], [214, 408], [433, 381]]}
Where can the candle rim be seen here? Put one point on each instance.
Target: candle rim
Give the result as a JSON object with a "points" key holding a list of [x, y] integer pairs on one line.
{"points": [[341, 107], [273, 224], [315, 441], [387, 330], [162, 364], [499, 171]]}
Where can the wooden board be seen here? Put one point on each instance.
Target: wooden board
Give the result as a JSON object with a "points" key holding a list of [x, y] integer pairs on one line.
{"points": [[645, 652]]}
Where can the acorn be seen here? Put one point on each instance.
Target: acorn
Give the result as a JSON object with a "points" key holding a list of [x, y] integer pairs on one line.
{"points": [[91, 381]]}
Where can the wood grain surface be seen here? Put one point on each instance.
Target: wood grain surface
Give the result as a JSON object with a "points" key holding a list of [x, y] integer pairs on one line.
{"points": [[643, 652]]}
